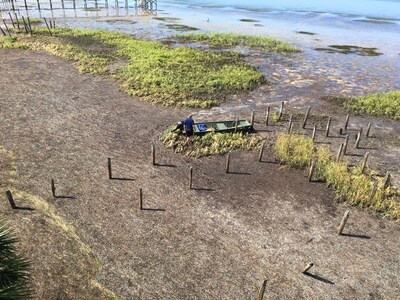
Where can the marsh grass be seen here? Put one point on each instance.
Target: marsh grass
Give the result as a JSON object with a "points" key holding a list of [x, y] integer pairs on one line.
{"points": [[232, 40], [385, 104], [11, 42], [157, 73], [210, 144], [351, 186]]}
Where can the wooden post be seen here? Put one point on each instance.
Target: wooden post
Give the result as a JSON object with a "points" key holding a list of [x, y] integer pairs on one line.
{"points": [[262, 291], [62, 4], [8, 30], [374, 190], [74, 4], [346, 141], [109, 169], [12, 20], [3, 31], [141, 199], [314, 132], [153, 155], [267, 115], [16, 18], [11, 200], [53, 188], [227, 162], [190, 177], [281, 110], [236, 124], [29, 24], [261, 151], [26, 5], [290, 123], [386, 181], [312, 168], [361, 131], [38, 5], [346, 123], [364, 164], [51, 5], [252, 118], [339, 153], [308, 267], [306, 117], [328, 125], [368, 129], [26, 26], [48, 28], [357, 140], [343, 222]]}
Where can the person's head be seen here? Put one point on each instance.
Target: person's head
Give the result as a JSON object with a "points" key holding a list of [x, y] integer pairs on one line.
{"points": [[190, 116]]}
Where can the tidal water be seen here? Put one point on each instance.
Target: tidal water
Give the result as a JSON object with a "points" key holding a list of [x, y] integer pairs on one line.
{"points": [[319, 29]]}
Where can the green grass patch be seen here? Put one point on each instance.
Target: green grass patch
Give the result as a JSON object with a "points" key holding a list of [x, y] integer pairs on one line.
{"points": [[385, 104], [11, 42], [349, 185], [232, 40], [209, 144], [157, 73]]}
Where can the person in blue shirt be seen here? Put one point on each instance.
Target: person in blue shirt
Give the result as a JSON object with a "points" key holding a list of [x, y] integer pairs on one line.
{"points": [[189, 124]]}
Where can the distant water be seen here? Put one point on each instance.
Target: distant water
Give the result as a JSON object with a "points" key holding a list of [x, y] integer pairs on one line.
{"points": [[365, 8]]}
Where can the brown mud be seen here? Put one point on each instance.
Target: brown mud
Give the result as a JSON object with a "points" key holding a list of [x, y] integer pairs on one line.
{"points": [[219, 240]]}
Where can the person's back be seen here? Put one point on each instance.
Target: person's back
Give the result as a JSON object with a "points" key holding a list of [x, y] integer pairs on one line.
{"points": [[189, 123]]}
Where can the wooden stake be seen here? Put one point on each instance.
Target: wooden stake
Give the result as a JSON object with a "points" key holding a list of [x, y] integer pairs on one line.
{"points": [[153, 155], [51, 5], [26, 26], [141, 199], [29, 24], [262, 291], [261, 151], [11, 200], [290, 123], [48, 28], [306, 117], [343, 222], [339, 153], [26, 5], [346, 122], [314, 133], [38, 5], [368, 129], [312, 168], [252, 118], [236, 124], [109, 169], [267, 116], [386, 181], [227, 162], [364, 164], [346, 142], [16, 18], [190, 177], [308, 267], [11, 18], [8, 30], [53, 188], [3, 31], [281, 110], [374, 190], [328, 125], [357, 140]]}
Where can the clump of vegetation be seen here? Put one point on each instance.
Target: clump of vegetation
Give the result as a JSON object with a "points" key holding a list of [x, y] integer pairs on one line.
{"points": [[294, 150], [232, 40], [210, 143], [14, 269], [351, 186], [349, 49], [180, 76], [11, 42], [384, 104]]}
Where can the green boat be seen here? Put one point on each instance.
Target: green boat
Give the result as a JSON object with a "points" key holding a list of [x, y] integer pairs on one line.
{"points": [[222, 126]]}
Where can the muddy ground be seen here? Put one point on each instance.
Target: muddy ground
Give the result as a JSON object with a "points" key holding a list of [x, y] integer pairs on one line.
{"points": [[219, 240]]}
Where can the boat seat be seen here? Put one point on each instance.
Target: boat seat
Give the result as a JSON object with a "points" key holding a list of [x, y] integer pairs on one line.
{"points": [[221, 127]]}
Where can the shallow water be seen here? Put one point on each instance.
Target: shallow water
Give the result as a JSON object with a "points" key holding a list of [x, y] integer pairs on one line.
{"points": [[310, 24]]}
